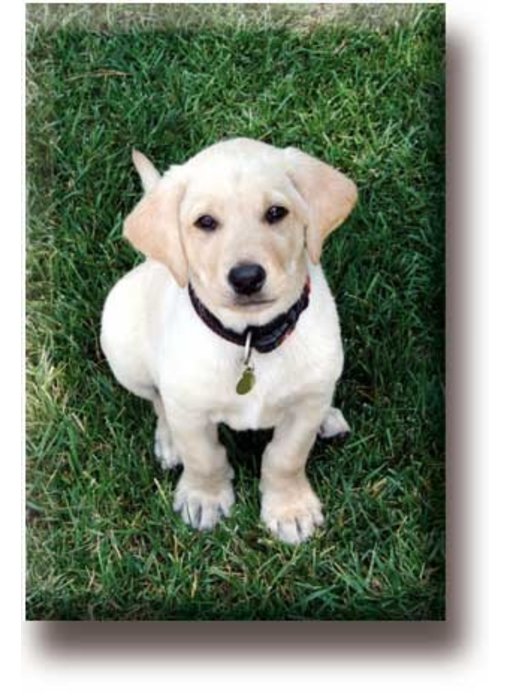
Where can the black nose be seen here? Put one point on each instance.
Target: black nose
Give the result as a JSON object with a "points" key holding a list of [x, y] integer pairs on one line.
{"points": [[247, 278]]}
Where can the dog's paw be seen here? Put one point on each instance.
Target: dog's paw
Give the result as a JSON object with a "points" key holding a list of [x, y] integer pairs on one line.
{"points": [[334, 425], [200, 508], [292, 515], [164, 450]]}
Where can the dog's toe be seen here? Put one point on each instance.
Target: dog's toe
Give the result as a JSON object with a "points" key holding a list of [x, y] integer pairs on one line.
{"points": [[292, 520], [165, 452], [334, 425], [201, 509]]}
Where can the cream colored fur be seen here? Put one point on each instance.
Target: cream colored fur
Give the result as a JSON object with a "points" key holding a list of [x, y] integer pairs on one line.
{"points": [[159, 348]]}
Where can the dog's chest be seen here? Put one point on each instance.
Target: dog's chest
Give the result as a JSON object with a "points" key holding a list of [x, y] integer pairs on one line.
{"points": [[205, 379], [283, 380], [253, 413], [263, 406]]}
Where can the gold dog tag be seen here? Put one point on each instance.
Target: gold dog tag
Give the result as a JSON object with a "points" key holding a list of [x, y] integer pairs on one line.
{"points": [[246, 382]]}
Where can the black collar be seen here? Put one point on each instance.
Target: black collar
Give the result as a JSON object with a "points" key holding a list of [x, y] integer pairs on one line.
{"points": [[264, 338]]}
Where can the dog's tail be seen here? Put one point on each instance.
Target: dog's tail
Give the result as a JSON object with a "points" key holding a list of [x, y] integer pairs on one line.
{"points": [[147, 171]]}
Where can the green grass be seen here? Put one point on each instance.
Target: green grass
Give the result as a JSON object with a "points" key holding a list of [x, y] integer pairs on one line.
{"points": [[367, 96]]}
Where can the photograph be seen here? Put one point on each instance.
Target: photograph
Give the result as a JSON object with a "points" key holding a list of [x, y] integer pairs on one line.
{"points": [[235, 312]]}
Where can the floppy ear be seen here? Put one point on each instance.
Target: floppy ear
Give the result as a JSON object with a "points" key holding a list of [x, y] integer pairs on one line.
{"points": [[328, 193], [153, 227], [146, 170]]}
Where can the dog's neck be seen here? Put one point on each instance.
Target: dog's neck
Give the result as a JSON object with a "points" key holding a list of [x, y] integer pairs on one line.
{"points": [[263, 338]]}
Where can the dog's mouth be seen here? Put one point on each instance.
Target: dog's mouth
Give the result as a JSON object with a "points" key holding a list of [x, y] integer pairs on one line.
{"points": [[247, 303], [253, 302]]}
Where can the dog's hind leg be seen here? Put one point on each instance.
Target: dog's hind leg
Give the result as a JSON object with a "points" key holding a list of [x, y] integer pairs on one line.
{"points": [[164, 449], [334, 425]]}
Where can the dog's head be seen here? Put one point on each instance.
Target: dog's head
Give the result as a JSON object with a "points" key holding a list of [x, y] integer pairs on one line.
{"points": [[237, 220]]}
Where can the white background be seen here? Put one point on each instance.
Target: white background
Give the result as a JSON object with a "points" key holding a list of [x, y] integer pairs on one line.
{"points": [[466, 657]]}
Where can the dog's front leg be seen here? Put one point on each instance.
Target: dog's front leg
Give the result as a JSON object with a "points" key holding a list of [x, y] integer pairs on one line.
{"points": [[204, 493], [290, 507]]}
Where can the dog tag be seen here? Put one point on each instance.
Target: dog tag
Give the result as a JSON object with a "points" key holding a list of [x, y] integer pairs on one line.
{"points": [[247, 381]]}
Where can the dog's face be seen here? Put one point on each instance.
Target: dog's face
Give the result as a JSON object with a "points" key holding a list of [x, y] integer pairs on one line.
{"points": [[243, 231], [237, 220]]}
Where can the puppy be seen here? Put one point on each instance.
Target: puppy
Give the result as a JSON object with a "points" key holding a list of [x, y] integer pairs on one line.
{"points": [[230, 320]]}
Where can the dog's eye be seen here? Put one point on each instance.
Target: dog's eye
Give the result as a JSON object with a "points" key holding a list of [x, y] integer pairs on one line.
{"points": [[206, 223], [275, 213]]}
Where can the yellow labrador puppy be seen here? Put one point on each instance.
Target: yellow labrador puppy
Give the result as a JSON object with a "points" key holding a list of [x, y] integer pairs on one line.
{"points": [[230, 319]]}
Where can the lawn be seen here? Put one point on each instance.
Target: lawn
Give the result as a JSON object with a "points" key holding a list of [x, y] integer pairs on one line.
{"points": [[362, 92]]}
